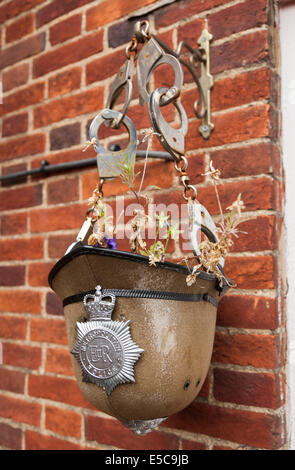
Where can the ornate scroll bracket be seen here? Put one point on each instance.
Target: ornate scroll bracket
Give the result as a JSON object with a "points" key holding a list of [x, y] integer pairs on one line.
{"points": [[204, 80], [206, 83]]}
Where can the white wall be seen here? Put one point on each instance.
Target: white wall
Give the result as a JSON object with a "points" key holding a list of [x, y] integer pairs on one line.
{"points": [[287, 34]]}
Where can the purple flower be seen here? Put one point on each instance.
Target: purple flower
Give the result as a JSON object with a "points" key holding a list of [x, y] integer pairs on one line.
{"points": [[110, 242]]}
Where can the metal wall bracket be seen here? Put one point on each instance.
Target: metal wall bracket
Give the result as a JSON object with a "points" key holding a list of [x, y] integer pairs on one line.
{"points": [[199, 60], [206, 83]]}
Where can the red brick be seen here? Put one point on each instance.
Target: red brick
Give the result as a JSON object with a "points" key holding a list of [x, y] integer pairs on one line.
{"points": [[64, 422], [15, 77], [257, 350], [233, 126], [36, 441], [21, 99], [12, 275], [69, 107], [196, 168], [66, 29], [182, 10], [13, 224], [56, 9], [244, 161], [104, 67], [249, 272], [65, 190], [20, 28], [13, 327], [12, 380], [190, 32], [205, 390], [140, 115], [68, 54], [22, 146], [160, 174], [242, 89], [192, 445], [48, 330], [38, 274], [18, 198], [246, 388], [10, 437], [58, 218], [9, 169], [57, 389], [21, 249], [256, 194], [22, 50], [15, 125], [107, 12], [20, 301], [58, 361], [249, 49], [111, 432], [64, 82], [113, 188], [65, 136], [58, 244], [120, 32], [53, 304], [19, 355], [20, 410], [259, 430], [260, 234], [15, 7], [62, 157], [249, 311], [250, 14]]}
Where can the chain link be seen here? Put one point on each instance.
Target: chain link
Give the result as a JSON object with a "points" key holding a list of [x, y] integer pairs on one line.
{"points": [[181, 167], [132, 47]]}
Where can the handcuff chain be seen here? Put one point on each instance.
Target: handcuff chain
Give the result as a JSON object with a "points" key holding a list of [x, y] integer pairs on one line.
{"points": [[142, 35], [132, 47], [184, 178]]}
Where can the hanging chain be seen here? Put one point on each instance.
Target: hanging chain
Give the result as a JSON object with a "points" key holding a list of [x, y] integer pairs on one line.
{"points": [[181, 167], [132, 47]]}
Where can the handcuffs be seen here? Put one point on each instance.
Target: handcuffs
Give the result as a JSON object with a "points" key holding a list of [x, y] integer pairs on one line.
{"points": [[150, 56]]}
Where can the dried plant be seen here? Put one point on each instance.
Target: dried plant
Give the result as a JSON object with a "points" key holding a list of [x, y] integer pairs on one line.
{"points": [[138, 225], [128, 175], [102, 235], [157, 250], [211, 252], [89, 143]]}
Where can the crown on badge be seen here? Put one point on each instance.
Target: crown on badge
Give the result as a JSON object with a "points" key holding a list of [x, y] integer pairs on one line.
{"points": [[96, 307]]}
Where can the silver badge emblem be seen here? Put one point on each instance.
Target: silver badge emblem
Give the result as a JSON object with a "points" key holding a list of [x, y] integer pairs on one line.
{"points": [[104, 348]]}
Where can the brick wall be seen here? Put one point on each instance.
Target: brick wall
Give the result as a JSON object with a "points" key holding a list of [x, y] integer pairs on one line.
{"points": [[58, 59]]}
